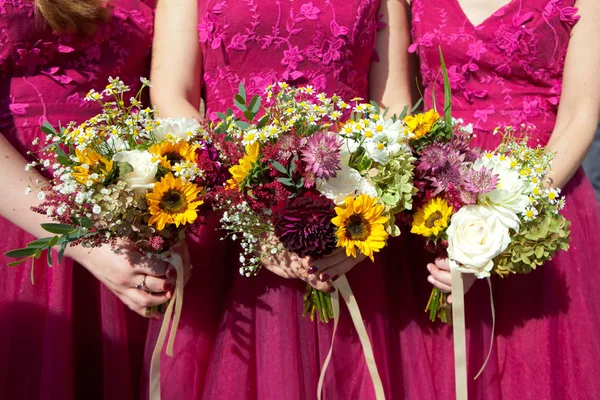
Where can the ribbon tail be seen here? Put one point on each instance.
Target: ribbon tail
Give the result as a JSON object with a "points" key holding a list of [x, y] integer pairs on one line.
{"points": [[458, 330], [335, 305], [343, 286], [173, 312], [177, 262], [487, 359]]}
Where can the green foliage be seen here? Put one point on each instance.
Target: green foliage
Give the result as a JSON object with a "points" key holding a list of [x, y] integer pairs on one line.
{"points": [[535, 244]]}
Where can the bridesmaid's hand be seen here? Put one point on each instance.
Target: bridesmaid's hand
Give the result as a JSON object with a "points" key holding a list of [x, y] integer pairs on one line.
{"points": [[291, 266], [139, 281], [334, 265], [441, 278]]}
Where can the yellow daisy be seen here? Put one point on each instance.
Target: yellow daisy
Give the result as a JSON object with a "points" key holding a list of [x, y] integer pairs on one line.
{"points": [[173, 201], [240, 172], [421, 124], [432, 218], [361, 225], [170, 153], [92, 167]]}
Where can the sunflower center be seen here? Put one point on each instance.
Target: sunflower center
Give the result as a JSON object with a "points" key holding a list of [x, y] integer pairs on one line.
{"points": [[357, 228], [433, 218], [173, 202], [173, 158]]}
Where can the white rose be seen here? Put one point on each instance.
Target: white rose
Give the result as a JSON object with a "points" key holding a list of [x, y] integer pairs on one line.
{"points": [[475, 237], [143, 175], [348, 182], [182, 128], [509, 198]]}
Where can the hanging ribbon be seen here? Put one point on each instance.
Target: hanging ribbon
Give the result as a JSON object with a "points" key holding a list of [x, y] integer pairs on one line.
{"points": [[458, 329], [174, 311], [343, 287], [460, 341], [489, 281]]}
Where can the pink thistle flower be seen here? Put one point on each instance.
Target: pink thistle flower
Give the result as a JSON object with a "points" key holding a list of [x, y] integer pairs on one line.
{"points": [[322, 155], [481, 181]]}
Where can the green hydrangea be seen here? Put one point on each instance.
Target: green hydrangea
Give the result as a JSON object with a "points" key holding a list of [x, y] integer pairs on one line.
{"points": [[535, 244]]}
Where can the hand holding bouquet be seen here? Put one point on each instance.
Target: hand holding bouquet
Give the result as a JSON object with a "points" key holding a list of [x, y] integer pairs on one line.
{"points": [[309, 174], [122, 177]]}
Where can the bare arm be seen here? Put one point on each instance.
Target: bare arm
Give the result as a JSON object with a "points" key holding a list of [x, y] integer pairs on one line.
{"points": [[579, 108], [176, 59], [390, 77]]}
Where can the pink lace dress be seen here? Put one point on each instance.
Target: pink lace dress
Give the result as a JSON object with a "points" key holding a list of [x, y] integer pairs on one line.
{"points": [[508, 71], [67, 336], [263, 348]]}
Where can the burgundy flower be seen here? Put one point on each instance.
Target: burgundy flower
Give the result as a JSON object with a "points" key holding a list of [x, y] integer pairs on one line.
{"points": [[304, 225]]}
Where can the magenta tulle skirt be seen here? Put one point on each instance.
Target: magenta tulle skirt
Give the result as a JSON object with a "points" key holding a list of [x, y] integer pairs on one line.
{"points": [[66, 336]]}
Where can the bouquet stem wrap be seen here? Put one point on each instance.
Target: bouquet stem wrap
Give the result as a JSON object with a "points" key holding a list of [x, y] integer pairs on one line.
{"points": [[173, 313], [458, 330], [343, 288]]}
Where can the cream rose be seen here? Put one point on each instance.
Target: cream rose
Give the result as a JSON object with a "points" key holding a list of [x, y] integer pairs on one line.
{"points": [[142, 176], [182, 128], [348, 182], [509, 198], [475, 237]]}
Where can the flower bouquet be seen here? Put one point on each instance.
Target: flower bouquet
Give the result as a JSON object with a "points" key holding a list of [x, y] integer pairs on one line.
{"points": [[122, 174], [304, 181], [487, 211]]}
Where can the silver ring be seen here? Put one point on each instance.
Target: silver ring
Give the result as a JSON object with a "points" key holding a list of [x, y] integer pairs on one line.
{"points": [[142, 286]]}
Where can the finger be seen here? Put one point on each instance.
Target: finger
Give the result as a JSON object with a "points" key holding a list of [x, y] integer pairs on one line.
{"points": [[440, 275], [152, 266], [157, 285], [326, 286], [328, 261], [345, 265], [143, 300], [440, 285], [443, 264]]}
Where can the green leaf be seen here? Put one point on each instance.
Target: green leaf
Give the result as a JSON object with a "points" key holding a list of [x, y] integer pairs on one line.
{"points": [[124, 169], [85, 222], [239, 102], [279, 167], [47, 128], [221, 116], [42, 243], [447, 92], [242, 125], [293, 163], [416, 106], [375, 106], [403, 113], [263, 122], [15, 263], [254, 105], [18, 253], [49, 257], [59, 229], [242, 92], [286, 181]]}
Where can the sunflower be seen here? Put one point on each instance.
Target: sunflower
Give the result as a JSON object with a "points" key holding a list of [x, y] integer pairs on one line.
{"points": [[93, 167], [240, 172], [432, 218], [173, 201], [361, 225], [421, 124], [170, 153]]}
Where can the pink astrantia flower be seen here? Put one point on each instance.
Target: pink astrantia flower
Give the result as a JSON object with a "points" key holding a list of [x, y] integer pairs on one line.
{"points": [[322, 155]]}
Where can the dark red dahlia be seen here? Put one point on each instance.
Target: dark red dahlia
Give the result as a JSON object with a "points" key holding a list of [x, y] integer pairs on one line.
{"points": [[304, 225]]}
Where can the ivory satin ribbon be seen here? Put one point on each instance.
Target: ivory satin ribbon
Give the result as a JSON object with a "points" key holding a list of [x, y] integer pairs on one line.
{"points": [[458, 330], [174, 311], [343, 288]]}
